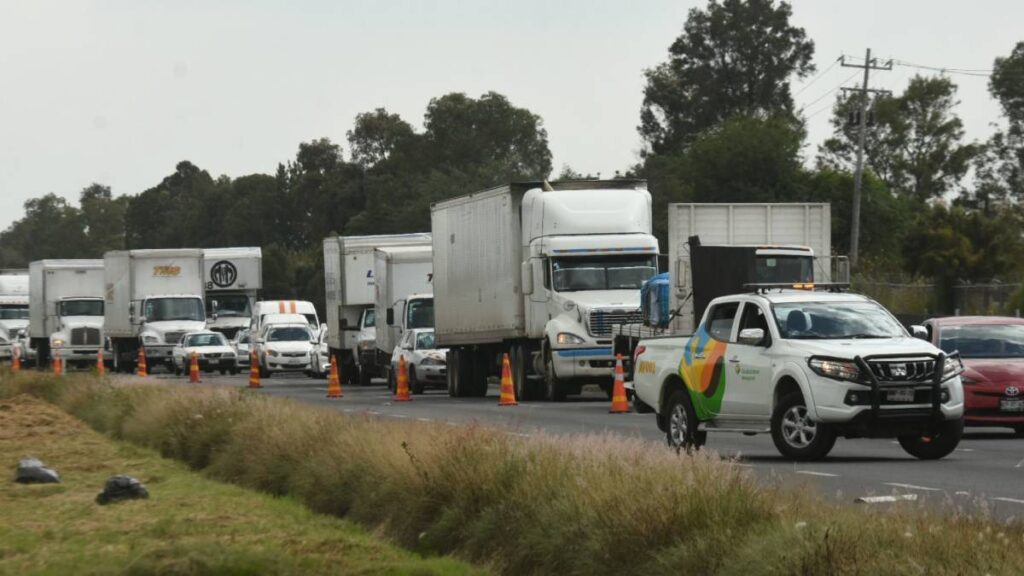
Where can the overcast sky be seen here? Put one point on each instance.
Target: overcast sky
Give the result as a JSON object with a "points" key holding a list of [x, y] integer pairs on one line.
{"points": [[118, 92]]}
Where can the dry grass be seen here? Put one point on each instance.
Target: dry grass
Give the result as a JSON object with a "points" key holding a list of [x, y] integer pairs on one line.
{"points": [[575, 505]]}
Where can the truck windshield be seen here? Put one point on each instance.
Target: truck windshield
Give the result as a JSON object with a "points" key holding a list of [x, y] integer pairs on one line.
{"points": [[81, 308], [370, 318], [289, 334], [420, 314], [164, 309], [784, 269], [233, 305], [13, 312], [835, 321], [984, 340], [602, 272]]}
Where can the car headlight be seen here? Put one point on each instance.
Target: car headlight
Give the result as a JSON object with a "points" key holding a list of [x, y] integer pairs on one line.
{"points": [[150, 339], [273, 352], [954, 367], [56, 343], [837, 369], [569, 338]]}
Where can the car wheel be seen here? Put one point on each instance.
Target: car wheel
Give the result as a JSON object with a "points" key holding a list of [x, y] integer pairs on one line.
{"points": [[223, 372], [414, 384], [681, 423], [554, 389], [1018, 431], [936, 446], [393, 381], [795, 435]]}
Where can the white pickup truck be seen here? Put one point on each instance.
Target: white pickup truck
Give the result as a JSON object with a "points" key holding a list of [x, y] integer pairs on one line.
{"points": [[806, 367]]}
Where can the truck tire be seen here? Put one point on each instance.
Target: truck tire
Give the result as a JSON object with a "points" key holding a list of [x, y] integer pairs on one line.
{"points": [[936, 446], [520, 371], [554, 389], [680, 421], [797, 437], [479, 361]]}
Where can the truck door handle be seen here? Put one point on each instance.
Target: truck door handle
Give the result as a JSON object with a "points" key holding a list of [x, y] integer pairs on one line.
{"points": [[734, 359]]}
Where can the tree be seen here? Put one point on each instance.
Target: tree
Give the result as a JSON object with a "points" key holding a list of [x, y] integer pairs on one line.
{"points": [[376, 135], [1007, 86], [734, 57], [102, 218]]}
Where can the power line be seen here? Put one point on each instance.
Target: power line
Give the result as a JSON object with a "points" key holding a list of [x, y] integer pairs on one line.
{"points": [[817, 77], [829, 93], [975, 72]]}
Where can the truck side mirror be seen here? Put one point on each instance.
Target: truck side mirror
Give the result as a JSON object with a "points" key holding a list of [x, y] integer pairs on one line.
{"points": [[390, 317], [919, 332], [527, 277], [752, 336]]}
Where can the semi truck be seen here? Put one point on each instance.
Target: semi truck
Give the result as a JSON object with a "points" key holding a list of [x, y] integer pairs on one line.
{"points": [[151, 299], [14, 300], [541, 271], [351, 300], [233, 278], [403, 296], [66, 311]]}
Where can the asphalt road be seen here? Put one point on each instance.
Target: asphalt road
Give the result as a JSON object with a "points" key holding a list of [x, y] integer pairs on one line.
{"points": [[985, 474]]}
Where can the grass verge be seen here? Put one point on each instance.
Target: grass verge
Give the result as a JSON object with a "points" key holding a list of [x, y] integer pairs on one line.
{"points": [[190, 525], [566, 505]]}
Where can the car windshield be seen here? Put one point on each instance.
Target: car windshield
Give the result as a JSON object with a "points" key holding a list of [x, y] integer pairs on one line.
{"points": [[602, 273], [370, 320], [13, 312], [784, 269], [244, 338], [164, 309], [233, 305], [289, 334], [420, 314], [81, 308], [203, 340], [835, 321], [425, 341], [983, 340]]}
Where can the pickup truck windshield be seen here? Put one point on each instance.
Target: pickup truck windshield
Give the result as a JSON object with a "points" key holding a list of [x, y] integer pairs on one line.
{"points": [[13, 312], [81, 308], [420, 314], [602, 272], [234, 305], [984, 340], [835, 321], [164, 309], [784, 269]]}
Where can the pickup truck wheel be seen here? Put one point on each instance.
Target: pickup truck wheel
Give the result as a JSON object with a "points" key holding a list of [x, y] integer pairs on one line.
{"points": [[681, 423], [795, 435], [936, 446], [554, 389]]}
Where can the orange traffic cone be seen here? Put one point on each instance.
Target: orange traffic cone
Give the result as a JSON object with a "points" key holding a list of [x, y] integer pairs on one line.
{"points": [[142, 372], [15, 360], [402, 387], [101, 368], [58, 366], [620, 405], [334, 382], [193, 369], [254, 370], [508, 390]]}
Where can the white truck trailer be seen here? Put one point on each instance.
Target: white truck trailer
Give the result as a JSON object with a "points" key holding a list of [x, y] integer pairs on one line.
{"points": [[234, 278], [14, 299], [66, 311], [542, 271], [404, 296], [351, 299], [151, 299]]}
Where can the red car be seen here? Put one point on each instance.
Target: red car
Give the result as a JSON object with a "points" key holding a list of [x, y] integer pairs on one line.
{"points": [[992, 350]]}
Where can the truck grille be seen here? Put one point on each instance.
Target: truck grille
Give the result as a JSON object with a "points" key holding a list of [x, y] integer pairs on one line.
{"points": [[601, 321], [85, 336], [173, 337], [903, 369]]}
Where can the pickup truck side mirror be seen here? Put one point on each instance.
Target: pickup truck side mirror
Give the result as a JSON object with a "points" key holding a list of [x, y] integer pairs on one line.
{"points": [[390, 317], [752, 336], [919, 332]]}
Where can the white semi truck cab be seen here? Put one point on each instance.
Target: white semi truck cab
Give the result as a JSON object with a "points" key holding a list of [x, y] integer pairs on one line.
{"points": [[151, 299], [234, 278], [14, 300], [66, 311], [542, 271]]}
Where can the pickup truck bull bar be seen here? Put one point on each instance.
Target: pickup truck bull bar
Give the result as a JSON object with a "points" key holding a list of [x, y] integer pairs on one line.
{"points": [[878, 385]]}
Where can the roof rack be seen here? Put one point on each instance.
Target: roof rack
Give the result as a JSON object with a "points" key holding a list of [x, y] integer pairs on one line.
{"points": [[763, 288]]}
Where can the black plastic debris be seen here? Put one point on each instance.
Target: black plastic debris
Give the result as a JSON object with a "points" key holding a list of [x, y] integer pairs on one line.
{"points": [[33, 471], [120, 488]]}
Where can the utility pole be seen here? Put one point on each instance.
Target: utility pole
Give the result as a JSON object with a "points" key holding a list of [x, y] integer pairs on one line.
{"points": [[858, 176]]}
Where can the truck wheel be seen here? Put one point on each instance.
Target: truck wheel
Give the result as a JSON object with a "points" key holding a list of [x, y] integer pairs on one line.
{"points": [[517, 359], [936, 446], [554, 389], [795, 435], [681, 423]]}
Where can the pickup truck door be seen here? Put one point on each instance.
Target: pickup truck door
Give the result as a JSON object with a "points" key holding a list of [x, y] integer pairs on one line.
{"points": [[749, 368]]}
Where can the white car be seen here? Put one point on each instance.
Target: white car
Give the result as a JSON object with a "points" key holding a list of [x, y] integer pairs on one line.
{"points": [[242, 346], [321, 361], [285, 348], [426, 365], [212, 349]]}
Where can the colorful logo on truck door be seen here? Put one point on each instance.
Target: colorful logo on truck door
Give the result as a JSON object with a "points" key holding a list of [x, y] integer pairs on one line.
{"points": [[703, 371]]}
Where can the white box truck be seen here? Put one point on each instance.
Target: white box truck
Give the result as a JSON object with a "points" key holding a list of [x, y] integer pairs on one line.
{"points": [[542, 271], [404, 296], [351, 299], [14, 299], [234, 278], [151, 299], [66, 311]]}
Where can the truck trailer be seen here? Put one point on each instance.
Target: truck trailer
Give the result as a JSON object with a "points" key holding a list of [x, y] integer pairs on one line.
{"points": [[151, 299], [66, 311], [234, 278], [541, 271], [404, 296]]}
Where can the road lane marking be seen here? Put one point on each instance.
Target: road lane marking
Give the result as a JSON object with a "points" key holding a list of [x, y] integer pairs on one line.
{"points": [[912, 487], [1013, 500], [882, 499], [424, 419], [965, 449], [398, 415], [814, 473], [962, 493]]}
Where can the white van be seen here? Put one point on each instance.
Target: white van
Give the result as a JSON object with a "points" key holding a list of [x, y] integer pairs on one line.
{"points": [[268, 307]]}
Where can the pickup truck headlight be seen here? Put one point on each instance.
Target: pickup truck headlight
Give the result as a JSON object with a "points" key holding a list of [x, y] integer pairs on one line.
{"points": [[569, 338], [837, 369], [56, 343], [954, 367]]}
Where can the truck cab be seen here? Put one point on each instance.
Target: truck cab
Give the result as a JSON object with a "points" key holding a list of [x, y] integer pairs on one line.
{"points": [[806, 367], [413, 313], [79, 334], [164, 320]]}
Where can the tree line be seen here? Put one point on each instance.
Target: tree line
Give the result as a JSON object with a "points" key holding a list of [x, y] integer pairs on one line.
{"points": [[718, 123]]}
